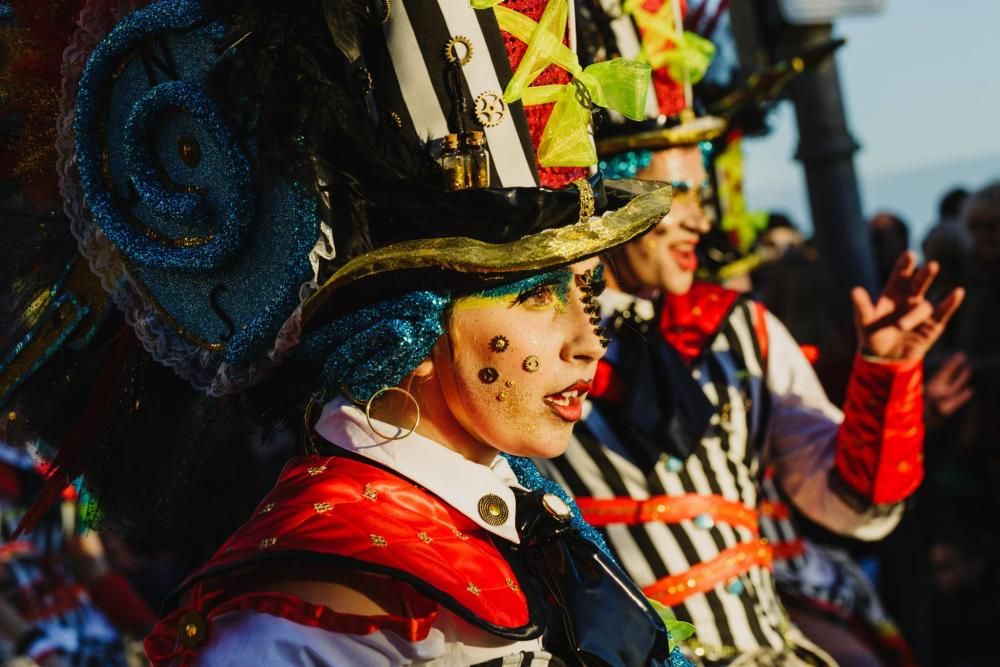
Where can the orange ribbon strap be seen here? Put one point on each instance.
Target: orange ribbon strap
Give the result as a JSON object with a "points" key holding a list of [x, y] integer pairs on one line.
{"points": [[703, 577], [666, 509]]}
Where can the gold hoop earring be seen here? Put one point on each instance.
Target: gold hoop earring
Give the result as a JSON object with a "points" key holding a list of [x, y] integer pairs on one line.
{"points": [[368, 413]]}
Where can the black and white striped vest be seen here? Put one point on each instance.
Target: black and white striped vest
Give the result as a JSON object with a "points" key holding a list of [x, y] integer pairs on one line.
{"points": [[687, 530]]}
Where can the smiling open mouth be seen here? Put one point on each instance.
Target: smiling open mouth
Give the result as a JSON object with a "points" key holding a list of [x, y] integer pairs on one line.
{"points": [[568, 403]]}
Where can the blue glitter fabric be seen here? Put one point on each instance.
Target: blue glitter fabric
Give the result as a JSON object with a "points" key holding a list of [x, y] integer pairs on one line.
{"points": [[218, 248], [627, 164], [530, 478], [677, 659], [237, 202], [377, 346]]}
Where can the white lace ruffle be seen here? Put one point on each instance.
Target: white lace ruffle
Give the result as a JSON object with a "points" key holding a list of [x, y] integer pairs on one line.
{"points": [[202, 368]]}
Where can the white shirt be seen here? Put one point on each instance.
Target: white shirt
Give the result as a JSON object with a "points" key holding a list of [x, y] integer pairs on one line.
{"points": [[253, 638]]}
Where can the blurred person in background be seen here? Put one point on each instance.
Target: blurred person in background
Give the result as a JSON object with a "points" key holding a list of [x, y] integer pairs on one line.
{"points": [[950, 245], [965, 594], [972, 441], [890, 237], [781, 237]]}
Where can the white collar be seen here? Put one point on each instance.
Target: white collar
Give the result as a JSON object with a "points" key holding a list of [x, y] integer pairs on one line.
{"points": [[612, 302], [447, 474]]}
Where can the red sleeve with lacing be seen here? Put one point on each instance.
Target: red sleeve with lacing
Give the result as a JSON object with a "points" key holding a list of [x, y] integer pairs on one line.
{"points": [[879, 450]]}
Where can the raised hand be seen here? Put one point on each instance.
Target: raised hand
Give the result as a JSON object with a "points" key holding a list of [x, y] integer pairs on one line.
{"points": [[902, 323]]}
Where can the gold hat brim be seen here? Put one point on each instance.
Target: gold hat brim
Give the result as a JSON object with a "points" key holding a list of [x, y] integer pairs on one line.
{"points": [[549, 248], [688, 133]]}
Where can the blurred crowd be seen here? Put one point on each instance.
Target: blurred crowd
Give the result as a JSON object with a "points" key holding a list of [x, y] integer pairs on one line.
{"points": [[938, 572]]}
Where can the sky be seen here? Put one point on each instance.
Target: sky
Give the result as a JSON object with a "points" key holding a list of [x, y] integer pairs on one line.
{"points": [[923, 99]]}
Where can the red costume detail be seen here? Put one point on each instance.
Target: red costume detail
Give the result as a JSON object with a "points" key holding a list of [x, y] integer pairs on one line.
{"points": [[115, 596], [760, 328], [367, 518], [608, 384], [880, 444], [667, 509], [669, 93], [538, 114], [706, 575], [162, 649], [691, 320], [811, 353]]}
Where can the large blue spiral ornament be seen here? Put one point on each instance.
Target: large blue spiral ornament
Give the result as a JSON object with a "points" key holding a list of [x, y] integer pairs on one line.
{"points": [[218, 247]]}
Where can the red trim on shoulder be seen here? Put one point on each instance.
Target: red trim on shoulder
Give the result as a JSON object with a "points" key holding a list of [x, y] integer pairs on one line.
{"points": [[690, 321], [879, 450], [363, 516], [162, 647]]}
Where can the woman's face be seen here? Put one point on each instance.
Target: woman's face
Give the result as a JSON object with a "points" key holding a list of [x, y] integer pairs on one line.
{"points": [[518, 361], [664, 260]]}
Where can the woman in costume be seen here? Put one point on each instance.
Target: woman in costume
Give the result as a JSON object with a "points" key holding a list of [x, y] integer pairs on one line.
{"points": [[703, 389], [397, 201]]}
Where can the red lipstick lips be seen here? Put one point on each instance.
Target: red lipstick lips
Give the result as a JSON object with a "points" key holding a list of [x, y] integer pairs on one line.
{"points": [[568, 403]]}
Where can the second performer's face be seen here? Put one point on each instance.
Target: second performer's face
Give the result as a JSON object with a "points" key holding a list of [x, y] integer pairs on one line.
{"points": [[518, 361], [664, 260]]}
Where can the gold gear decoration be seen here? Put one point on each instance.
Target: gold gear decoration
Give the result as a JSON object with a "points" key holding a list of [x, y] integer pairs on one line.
{"points": [[490, 108], [452, 53]]}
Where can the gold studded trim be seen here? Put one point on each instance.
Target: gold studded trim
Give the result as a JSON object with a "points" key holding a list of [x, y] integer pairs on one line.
{"points": [[493, 510], [512, 585], [586, 199], [322, 507], [472, 588], [425, 538], [315, 470], [370, 493], [266, 508], [378, 540], [459, 534], [267, 543]]}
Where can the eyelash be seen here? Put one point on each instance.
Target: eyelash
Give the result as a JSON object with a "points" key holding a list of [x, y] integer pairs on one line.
{"points": [[533, 292]]}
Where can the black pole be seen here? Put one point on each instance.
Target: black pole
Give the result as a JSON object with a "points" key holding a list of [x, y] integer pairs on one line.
{"points": [[826, 150]]}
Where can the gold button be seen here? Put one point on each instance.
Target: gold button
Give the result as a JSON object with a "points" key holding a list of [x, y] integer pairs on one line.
{"points": [[192, 629], [493, 510]]}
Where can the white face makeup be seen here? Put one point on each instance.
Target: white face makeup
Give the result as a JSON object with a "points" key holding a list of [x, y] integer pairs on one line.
{"points": [[518, 361], [664, 258]]}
